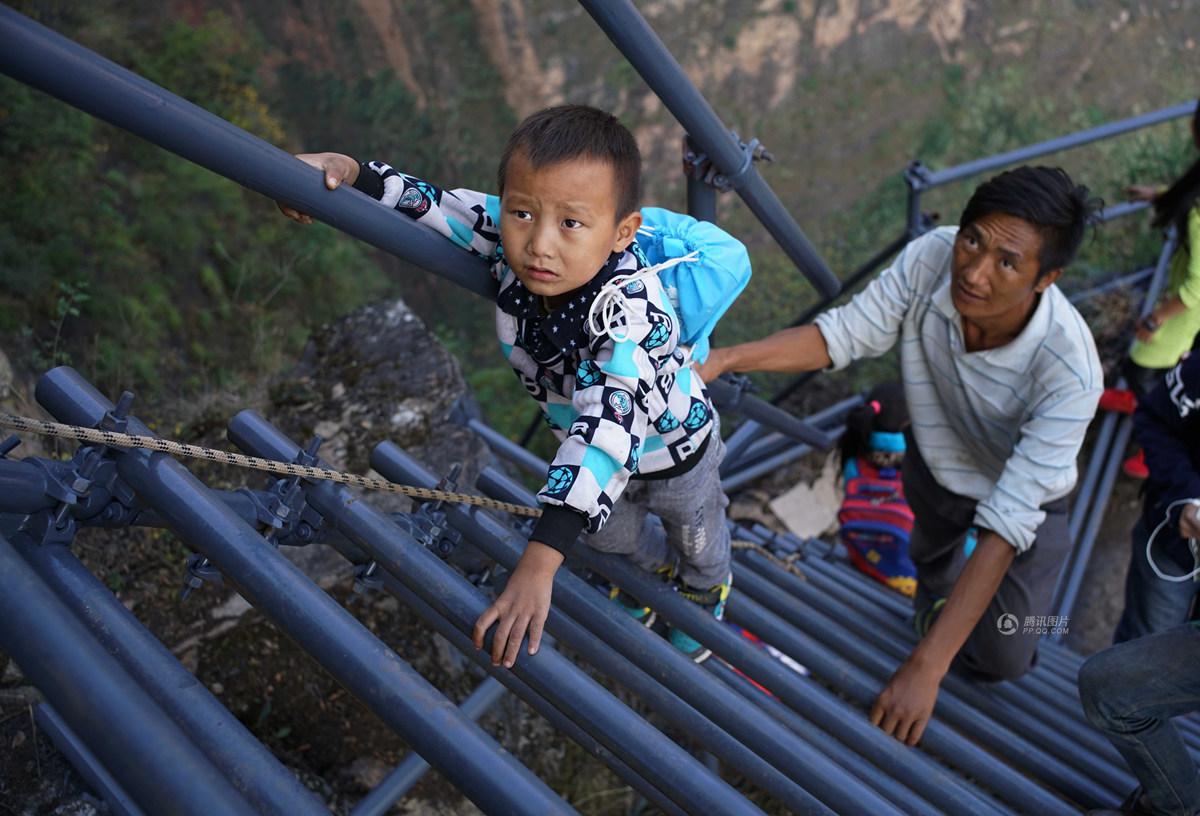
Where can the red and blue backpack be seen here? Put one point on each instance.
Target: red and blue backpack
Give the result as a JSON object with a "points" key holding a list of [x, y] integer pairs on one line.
{"points": [[876, 524]]}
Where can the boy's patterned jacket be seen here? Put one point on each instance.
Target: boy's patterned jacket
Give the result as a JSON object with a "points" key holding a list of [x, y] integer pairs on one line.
{"points": [[619, 406]]}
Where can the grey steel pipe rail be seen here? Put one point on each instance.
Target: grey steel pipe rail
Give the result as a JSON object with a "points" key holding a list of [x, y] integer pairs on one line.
{"points": [[558, 719], [828, 610], [940, 736], [743, 448], [24, 488], [517, 454], [85, 762], [251, 768], [961, 704], [646, 650], [606, 622], [39, 57], [745, 475], [856, 277], [410, 770], [886, 786], [1092, 497], [926, 777], [151, 759], [679, 775], [399, 696], [633, 37], [936, 178], [1119, 282], [831, 588], [956, 751], [730, 397]]}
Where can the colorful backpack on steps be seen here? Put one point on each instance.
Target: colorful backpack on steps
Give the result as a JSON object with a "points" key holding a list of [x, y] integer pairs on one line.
{"points": [[876, 524]]}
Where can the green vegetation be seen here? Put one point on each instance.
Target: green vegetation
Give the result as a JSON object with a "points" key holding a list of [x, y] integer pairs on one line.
{"points": [[153, 274]]}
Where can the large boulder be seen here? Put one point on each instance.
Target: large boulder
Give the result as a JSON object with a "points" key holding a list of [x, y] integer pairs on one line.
{"points": [[379, 374]]}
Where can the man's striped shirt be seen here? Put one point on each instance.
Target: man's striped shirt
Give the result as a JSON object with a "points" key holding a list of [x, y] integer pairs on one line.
{"points": [[1002, 426]]}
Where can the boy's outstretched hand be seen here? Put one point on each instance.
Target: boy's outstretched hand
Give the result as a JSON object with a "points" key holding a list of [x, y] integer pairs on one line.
{"points": [[524, 604], [338, 168]]}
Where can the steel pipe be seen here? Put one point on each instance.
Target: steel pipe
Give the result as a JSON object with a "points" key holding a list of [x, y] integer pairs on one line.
{"points": [[85, 763], [253, 770], [146, 753], [937, 178], [811, 701], [544, 706], [404, 700], [643, 747], [410, 770], [633, 37], [39, 57], [663, 662]]}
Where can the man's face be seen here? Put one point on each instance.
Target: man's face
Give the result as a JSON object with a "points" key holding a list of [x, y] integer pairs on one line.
{"points": [[558, 223], [994, 273]]}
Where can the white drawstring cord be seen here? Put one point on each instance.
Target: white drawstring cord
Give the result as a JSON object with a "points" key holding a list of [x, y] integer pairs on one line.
{"points": [[1192, 545], [610, 302]]}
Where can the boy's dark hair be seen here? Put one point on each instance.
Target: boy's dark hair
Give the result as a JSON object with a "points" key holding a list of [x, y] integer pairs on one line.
{"points": [[1045, 197], [884, 409], [568, 132], [1173, 206]]}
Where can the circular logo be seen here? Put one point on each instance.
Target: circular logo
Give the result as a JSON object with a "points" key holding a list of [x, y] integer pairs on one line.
{"points": [[620, 403], [633, 287], [1007, 624]]}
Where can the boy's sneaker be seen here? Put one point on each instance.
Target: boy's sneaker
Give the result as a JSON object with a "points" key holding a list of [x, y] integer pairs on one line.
{"points": [[712, 600], [632, 606]]}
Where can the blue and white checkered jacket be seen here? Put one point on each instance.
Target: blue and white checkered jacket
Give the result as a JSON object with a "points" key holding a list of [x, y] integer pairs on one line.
{"points": [[619, 406]]}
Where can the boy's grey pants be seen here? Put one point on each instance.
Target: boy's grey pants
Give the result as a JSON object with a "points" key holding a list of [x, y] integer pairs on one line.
{"points": [[692, 510], [936, 548]]}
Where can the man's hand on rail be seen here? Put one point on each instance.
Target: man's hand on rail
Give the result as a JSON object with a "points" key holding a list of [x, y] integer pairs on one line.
{"points": [[338, 169]]}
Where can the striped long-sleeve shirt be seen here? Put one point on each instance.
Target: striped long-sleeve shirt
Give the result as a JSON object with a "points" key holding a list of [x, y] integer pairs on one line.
{"points": [[1002, 426]]}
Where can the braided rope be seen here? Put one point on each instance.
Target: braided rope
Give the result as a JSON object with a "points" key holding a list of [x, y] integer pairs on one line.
{"points": [[787, 563], [154, 443]]}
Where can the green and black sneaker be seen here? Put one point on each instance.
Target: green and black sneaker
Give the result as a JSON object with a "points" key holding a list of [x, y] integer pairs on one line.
{"points": [[632, 606], [713, 601]]}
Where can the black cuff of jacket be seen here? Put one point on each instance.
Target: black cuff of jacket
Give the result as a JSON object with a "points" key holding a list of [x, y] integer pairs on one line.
{"points": [[369, 181], [558, 527]]}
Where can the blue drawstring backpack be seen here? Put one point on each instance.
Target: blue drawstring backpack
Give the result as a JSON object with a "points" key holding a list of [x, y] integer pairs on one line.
{"points": [[704, 270]]}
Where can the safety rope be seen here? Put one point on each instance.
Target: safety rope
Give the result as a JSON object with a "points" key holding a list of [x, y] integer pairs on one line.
{"points": [[787, 563], [154, 443]]}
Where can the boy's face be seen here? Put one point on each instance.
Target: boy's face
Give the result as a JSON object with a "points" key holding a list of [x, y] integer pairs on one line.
{"points": [[559, 223]]}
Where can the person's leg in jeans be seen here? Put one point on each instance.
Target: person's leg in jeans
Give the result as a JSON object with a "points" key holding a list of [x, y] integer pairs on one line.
{"points": [[623, 533], [1130, 692], [692, 509], [999, 647], [1152, 604]]}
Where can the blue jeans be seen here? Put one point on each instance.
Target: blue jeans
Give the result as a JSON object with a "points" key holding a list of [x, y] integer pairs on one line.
{"points": [[1152, 604], [1130, 692]]}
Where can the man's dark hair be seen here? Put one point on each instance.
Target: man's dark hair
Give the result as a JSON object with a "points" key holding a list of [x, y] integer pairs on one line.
{"points": [[568, 132], [1173, 206], [1045, 197]]}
